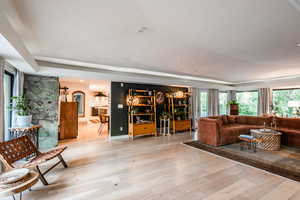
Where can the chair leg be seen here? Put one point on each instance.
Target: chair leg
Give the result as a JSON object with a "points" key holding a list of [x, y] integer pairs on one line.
{"points": [[42, 178], [62, 161], [101, 129]]}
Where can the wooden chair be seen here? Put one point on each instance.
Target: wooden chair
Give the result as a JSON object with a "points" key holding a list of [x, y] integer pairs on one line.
{"points": [[104, 119], [22, 147]]}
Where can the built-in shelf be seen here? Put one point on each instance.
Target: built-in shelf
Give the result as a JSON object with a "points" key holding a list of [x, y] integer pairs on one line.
{"points": [[141, 120], [142, 114], [182, 105], [180, 110], [141, 105], [139, 96]]}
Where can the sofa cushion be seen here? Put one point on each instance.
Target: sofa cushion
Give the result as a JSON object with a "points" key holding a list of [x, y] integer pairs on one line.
{"points": [[290, 123], [253, 120], [290, 137], [229, 133], [225, 119], [232, 119], [290, 131], [241, 119]]}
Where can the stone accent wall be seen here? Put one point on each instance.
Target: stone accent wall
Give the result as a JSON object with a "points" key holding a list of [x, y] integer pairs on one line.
{"points": [[43, 96]]}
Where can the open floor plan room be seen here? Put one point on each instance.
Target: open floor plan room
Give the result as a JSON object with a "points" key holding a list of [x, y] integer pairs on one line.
{"points": [[157, 168], [150, 100]]}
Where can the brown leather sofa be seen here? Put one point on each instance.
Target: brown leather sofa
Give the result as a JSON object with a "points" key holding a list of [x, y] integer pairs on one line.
{"points": [[223, 130]]}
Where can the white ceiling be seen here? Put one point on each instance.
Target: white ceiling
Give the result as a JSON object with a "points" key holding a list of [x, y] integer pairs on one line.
{"points": [[232, 40]]}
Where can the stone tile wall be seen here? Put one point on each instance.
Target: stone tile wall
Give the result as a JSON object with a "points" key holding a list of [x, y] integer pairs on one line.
{"points": [[43, 96]]}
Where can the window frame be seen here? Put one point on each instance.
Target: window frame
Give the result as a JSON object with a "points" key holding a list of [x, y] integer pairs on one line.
{"points": [[201, 103], [12, 80], [225, 92]]}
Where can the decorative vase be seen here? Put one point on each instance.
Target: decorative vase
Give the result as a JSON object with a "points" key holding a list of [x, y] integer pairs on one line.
{"points": [[24, 121]]}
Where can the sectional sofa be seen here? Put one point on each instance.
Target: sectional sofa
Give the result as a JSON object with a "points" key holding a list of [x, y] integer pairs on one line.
{"points": [[223, 130]]}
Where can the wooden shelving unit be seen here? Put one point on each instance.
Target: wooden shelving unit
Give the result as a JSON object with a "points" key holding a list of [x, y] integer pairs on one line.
{"points": [[141, 113], [180, 110]]}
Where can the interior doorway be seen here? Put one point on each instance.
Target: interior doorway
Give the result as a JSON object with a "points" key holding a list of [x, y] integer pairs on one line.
{"points": [[91, 99]]}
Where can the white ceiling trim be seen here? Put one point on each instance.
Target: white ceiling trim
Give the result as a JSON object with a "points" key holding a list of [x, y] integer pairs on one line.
{"points": [[284, 80], [80, 72], [270, 79], [129, 70]]}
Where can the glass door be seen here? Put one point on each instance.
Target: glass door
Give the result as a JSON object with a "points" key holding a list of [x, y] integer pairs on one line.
{"points": [[8, 92]]}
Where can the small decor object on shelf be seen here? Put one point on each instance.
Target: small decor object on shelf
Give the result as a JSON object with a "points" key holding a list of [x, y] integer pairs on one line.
{"points": [[63, 94], [20, 106], [160, 97], [234, 107]]}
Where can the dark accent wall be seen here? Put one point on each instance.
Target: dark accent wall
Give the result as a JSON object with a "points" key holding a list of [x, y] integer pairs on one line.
{"points": [[119, 117], [43, 95]]}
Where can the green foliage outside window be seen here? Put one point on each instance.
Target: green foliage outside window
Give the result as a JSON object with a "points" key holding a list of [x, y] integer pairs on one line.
{"points": [[281, 99], [248, 102]]}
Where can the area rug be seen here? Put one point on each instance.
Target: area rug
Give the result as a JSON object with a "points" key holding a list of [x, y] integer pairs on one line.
{"points": [[285, 162]]}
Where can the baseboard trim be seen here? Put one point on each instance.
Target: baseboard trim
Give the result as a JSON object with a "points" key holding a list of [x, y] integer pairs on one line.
{"points": [[119, 137]]}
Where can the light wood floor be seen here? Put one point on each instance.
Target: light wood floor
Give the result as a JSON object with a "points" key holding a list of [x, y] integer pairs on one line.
{"points": [[88, 131], [156, 168]]}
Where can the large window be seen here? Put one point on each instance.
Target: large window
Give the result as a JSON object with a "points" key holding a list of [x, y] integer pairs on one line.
{"points": [[285, 102], [248, 102], [8, 90], [223, 104], [203, 104]]}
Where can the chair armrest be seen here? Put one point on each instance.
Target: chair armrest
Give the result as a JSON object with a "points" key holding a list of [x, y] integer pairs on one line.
{"points": [[209, 131]]}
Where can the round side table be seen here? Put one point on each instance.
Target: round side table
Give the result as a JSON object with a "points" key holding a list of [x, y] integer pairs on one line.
{"points": [[269, 139], [19, 186]]}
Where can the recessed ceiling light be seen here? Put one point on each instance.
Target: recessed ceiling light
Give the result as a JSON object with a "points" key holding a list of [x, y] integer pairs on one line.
{"points": [[81, 81], [142, 29]]}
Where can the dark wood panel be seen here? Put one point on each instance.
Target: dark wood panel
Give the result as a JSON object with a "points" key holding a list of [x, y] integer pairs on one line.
{"points": [[68, 120]]}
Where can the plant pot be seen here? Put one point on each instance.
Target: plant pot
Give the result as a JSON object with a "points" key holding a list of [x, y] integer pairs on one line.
{"points": [[24, 121], [234, 109]]}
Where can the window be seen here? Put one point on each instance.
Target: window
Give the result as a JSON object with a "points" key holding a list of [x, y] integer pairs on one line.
{"points": [[223, 104], [203, 104], [248, 102], [8, 91], [283, 101]]}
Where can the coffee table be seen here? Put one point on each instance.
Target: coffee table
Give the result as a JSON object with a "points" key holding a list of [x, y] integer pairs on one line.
{"points": [[268, 139], [19, 186]]}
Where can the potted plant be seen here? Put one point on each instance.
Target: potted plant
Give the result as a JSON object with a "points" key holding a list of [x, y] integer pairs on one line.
{"points": [[20, 106], [234, 107]]}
